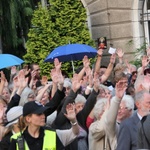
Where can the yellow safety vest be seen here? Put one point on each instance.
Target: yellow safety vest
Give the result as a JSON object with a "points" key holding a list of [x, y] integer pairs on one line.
{"points": [[49, 140]]}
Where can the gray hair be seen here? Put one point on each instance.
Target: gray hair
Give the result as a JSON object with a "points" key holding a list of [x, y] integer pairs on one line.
{"points": [[129, 102], [138, 82], [40, 88], [99, 107], [103, 87], [24, 96], [80, 99], [139, 95], [133, 66], [67, 83]]}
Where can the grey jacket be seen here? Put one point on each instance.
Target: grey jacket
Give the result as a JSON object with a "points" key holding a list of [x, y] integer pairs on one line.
{"points": [[128, 133]]}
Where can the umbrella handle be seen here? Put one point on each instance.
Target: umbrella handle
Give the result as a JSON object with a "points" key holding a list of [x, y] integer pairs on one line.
{"points": [[72, 66]]}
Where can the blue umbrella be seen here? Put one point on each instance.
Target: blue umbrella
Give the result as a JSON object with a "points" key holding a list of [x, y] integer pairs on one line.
{"points": [[71, 52], [8, 60]]}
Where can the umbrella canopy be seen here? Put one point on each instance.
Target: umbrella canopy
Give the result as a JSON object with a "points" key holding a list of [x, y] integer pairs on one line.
{"points": [[71, 52], [8, 60]]}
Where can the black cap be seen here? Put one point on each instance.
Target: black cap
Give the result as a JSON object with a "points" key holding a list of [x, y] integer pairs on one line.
{"points": [[33, 107]]}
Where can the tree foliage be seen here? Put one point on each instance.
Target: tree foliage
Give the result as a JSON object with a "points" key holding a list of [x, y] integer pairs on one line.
{"points": [[15, 19], [63, 22], [139, 52]]}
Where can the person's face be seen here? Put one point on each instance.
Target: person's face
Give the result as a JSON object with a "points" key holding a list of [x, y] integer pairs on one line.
{"points": [[6, 94], [123, 112], [107, 93], [101, 93], [134, 75], [102, 71], [131, 91], [79, 106], [45, 98], [104, 93], [36, 119], [67, 90], [31, 97], [144, 105], [37, 69]]}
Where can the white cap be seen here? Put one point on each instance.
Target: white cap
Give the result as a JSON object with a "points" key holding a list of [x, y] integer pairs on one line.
{"points": [[13, 115]]}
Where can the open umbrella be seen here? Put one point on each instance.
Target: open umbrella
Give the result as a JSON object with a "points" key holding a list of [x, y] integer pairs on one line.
{"points": [[8, 60], [71, 52]]}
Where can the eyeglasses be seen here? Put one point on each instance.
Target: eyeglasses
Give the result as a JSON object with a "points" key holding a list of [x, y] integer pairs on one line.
{"points": [[121, 108], [31, 96]]}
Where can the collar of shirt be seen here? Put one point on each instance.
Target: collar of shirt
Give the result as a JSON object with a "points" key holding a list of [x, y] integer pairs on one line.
{"points": [[140, 117]]}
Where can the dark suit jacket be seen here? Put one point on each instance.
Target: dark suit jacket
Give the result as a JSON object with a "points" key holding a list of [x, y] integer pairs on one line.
{"points": [[127, 137], [144, 133]]}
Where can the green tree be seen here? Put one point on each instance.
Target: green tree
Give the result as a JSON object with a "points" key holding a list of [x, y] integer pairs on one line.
{"points": [[15, 19], [63, 22]]}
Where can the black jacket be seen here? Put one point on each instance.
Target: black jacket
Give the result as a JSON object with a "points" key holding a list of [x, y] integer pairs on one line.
{"points": [[5, 142], [61, 122], [144, 133]]}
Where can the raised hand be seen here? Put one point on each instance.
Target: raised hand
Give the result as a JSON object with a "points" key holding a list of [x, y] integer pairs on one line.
{"points": [[13, 70], [44, 80], [86, 62], [129, 68], [54, 75], [26, 70], [76, 83], [57, 65], [60, 79], [15, 83], [88, 71], [90, 79], [113, 58], [120, 53], [3, 78], [22, 80], [96, 82], [3, 81], [33, 74], [120, 88], [100, 52], [70, 112], [145, 61]]}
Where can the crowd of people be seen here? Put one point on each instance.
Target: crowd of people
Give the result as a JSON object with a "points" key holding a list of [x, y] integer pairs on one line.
{"points": [[99, 108]]}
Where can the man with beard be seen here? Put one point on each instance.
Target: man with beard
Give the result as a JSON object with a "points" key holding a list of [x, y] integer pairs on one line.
{"points": [[128, 134]]}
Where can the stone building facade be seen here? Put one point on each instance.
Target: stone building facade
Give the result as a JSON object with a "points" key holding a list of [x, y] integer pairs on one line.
{"points": [[123, 22]]}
